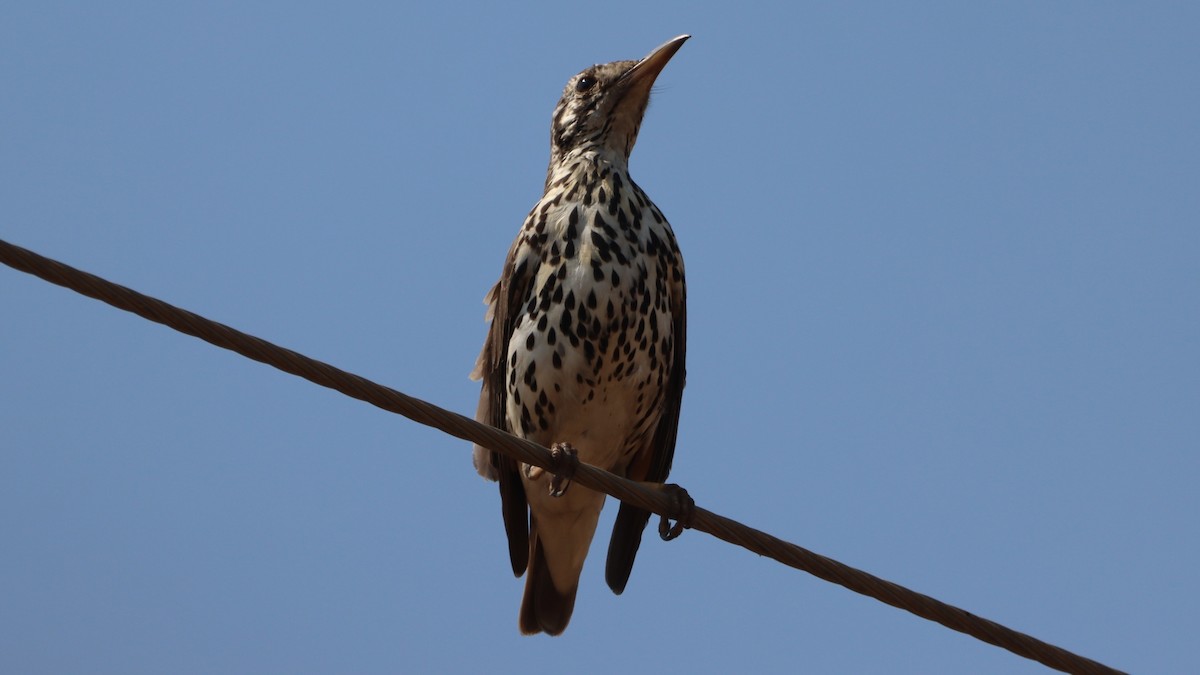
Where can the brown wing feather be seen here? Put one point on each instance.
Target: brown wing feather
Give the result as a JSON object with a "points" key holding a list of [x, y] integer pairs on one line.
{"points": [[507, 297], [653, 462]]}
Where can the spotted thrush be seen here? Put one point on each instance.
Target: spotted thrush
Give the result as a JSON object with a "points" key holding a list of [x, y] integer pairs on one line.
{"points": [[585, 351]]}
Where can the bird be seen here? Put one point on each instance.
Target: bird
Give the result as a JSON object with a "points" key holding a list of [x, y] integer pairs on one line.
{"points": [[585, 349]]}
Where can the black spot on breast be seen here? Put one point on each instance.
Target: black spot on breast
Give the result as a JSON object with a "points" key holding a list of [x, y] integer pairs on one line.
{"points": [[529, 341], [623, 221], [567, 330], [530, 371], [620, 256], [652, 243], [608, 230], [602, 247], [582, 321]]}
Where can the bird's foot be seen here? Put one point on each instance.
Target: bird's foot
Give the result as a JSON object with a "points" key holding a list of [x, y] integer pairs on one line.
{"points": [[565, 461], [564, 458], [685, 512]]}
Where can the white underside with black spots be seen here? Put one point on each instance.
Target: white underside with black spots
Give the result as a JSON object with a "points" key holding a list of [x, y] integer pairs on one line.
{"points": [[591, 350], [588, 356]]}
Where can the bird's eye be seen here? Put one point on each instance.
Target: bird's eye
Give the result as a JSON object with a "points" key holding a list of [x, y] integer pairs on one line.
{"points": [[586, 82]]}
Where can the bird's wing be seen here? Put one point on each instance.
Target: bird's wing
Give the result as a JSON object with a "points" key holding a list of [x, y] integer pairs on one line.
{"points": [[504, 307], [653, 462]]}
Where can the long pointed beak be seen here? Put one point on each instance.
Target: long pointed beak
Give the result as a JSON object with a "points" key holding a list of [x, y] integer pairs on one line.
{"points": [[643, 74], [632, 91]]}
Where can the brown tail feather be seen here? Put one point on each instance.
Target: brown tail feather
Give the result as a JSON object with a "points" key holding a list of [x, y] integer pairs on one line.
{"points": [[623, 547], [544, 608]]}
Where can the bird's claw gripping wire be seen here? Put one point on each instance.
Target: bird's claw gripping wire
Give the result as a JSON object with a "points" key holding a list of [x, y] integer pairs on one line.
{"points": [[685, 512], [564, 459]]}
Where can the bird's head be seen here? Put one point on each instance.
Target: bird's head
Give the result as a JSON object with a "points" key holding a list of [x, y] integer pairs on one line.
{"points": [[602, 107]]}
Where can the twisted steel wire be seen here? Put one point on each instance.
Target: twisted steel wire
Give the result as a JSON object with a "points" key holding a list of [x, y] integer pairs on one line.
{"points": [[644, 496]]}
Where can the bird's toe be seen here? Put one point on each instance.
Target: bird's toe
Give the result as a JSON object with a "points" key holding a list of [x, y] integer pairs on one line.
{"points": [[685, 512], [566, 459]]}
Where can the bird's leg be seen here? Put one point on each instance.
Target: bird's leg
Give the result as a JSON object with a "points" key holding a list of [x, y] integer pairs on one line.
{"points": [[685, 512], [565, 459]]}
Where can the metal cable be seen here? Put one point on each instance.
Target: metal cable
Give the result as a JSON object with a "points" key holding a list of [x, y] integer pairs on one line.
{"points": [[643, 496]]}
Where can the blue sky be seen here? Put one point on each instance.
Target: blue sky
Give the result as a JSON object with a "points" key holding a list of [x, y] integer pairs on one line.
{"points": [[944, 284]]}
